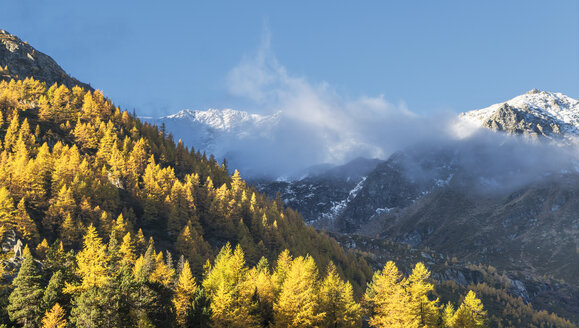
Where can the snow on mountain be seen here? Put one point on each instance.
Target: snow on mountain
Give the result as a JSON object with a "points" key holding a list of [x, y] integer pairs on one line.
{"points": [[214, 131], [226, 120], [548, 114]]}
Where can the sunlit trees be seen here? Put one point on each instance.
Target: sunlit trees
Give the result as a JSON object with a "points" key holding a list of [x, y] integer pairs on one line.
{"points": [[184, 291], [337, 302], [227, 287], [297, 303], [54, 318], [470, 313]]}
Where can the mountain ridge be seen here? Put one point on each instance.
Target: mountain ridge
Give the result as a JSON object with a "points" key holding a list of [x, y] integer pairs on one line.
{"points": [[19, 60]]}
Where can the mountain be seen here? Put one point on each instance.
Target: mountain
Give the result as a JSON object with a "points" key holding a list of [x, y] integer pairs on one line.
{"points": [[497, 200], [19, 60], [213, 130], [536, 113], [324, 192]]}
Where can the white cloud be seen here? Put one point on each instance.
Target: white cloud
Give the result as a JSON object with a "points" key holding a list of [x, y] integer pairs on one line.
{"points": [[318, 124]]}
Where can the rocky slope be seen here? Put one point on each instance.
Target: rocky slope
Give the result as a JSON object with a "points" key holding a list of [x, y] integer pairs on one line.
{"points": [[536, 113], [19, 60]]}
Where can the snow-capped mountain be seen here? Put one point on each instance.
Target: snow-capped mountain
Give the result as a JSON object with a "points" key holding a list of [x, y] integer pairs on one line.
{"points": [[535, 113], [217, 131]]}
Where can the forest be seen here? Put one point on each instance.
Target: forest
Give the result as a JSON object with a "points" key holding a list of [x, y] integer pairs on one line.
{"points": [[106, 221]]}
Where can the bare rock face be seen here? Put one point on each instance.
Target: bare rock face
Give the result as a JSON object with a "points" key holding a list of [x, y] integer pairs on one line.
{"points": [[523, 121], [19, 60]]}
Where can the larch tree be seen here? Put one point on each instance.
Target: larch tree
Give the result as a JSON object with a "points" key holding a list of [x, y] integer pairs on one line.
{"points": [[230, 292], [386, 298], [337, 301], [421, 308], [24, 223], [54, 318], [91, 262], [7, 211], [184, 291], [297, 304], [470, 313]]}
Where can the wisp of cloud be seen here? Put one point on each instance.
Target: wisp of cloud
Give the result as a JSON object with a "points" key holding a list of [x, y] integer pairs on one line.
{"points": [[317, 125]]}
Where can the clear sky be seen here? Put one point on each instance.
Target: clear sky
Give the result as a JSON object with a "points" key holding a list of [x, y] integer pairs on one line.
{"points": [[162, 56]]}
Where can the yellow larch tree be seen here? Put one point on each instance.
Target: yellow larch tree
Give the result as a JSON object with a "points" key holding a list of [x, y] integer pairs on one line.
{"points": [[54, 318], [297, 304], [470, 313], [421, 308], [92, 262], [230, 293], [186, 287], [337, 301], [162, 273], [386, 298]]}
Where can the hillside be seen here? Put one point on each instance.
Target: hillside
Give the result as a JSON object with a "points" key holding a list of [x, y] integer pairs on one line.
{"points": [[19, 60]]}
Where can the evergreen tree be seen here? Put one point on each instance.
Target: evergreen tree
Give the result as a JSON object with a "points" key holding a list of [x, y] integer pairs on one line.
{"points": [[53, 292], [199, 315], [25, 300]]}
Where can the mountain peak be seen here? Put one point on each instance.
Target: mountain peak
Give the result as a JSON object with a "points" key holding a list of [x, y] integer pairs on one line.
{"points": [[19, 60], [535, 113]]}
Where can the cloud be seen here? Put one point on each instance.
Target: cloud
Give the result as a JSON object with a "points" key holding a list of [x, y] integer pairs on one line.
{"points": [[319, 125]]}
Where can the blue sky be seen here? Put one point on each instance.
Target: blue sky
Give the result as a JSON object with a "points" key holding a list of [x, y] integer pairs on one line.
{"points": [[162, 56]]}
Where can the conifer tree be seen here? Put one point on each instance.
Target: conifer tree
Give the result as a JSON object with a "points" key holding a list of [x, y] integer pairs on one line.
{"points": [[54, 318], [7, 211], [297, 305], [193, 247], [386, 298], [184, 291], [230, 293], [337, 301], [470, 313], [264, 290], [92, 262], [25, 300], [200, 313], [424, 310], [42, 249], [24, 223], [53, 292], [162, 273], [127, 250], [448, 315]]}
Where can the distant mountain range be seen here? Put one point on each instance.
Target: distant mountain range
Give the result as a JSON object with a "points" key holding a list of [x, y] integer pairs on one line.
{"points": [[213, 130]]}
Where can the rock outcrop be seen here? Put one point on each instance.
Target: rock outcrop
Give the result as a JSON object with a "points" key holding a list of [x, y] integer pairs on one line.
{"points": [[19, 60]]}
